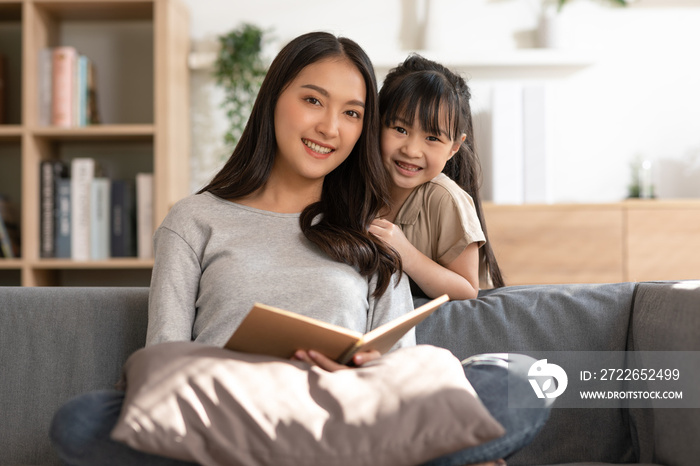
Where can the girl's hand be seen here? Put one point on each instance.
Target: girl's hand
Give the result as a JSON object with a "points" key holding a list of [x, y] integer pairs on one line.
{"points": [[317, 359], [390, 234]]}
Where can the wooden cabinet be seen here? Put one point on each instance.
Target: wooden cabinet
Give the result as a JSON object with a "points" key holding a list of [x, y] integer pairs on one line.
{"points": [[596, 243], [140, 51]]}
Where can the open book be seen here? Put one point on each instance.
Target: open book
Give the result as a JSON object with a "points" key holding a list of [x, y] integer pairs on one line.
{"points": [[276, 332]]}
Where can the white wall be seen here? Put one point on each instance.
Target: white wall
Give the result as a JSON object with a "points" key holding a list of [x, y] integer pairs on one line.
{"points": [[639, 98]]}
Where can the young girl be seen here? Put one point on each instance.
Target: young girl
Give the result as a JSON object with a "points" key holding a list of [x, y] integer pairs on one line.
{"points": [[435, 221], [284, 222]]}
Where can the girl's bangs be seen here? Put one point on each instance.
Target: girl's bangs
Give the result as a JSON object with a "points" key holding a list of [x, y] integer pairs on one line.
{"points": [[426, 97]]}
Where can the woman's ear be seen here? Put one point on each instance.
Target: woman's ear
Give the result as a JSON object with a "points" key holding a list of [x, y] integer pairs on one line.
{"points": [[457, 143]]}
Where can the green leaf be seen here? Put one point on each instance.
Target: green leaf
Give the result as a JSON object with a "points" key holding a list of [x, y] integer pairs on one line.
{"points": [[239, 71]]}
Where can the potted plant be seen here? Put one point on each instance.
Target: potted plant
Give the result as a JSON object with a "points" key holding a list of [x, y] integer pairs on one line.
{"points": [[550, 32], [239, 70], [561, 3]]}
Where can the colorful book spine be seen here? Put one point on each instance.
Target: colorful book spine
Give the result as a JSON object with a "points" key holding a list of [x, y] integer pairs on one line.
{"points": [[82, 91], [144, 215], [63, 66], [99, 219], [63, 218], [82, 174]]}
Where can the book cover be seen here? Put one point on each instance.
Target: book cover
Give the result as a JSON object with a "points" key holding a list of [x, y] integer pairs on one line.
{"points": [[100, 218], [63, 218], [82, 174], [276, 332], [45, 80], [50, 171], [63, 66], [123, 209], [144, 215]]}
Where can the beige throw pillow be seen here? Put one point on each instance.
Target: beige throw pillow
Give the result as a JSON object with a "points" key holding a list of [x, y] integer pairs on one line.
{"points": [[218, 407]]}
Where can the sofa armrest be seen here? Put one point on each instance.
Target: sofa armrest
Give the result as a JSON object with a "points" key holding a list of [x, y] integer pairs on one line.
{"points": [[56, 343], [666, 317]]}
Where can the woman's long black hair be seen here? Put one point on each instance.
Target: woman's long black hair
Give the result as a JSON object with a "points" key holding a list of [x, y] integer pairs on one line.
{"points": [[422, 87], [352, 194]]}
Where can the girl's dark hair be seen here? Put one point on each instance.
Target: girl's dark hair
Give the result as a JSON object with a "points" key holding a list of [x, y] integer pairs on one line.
{"points": [[423, 88], [352, 194]]}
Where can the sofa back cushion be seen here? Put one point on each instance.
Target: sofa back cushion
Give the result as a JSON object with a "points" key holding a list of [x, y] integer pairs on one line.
{"points": [[522, 319], [56, 343]]}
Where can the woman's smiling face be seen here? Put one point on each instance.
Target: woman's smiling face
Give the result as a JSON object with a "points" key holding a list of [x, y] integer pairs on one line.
{"points": [[318, 119]]}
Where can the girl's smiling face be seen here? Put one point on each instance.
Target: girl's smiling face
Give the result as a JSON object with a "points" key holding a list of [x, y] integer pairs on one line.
{"points": [[412, 155], [318, 119]]}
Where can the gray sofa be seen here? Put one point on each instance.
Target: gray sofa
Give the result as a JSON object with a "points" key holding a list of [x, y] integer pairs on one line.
{"points": [[59, 342]]}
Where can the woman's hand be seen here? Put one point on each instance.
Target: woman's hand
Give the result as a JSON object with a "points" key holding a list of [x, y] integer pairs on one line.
{"points": [[317, 359]]}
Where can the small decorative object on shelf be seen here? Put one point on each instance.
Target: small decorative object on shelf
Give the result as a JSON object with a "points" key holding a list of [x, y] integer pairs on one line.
{"points": [[642, 185]]}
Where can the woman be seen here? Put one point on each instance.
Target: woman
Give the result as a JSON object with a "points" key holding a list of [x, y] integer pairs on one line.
{"points": [[284, 222]]}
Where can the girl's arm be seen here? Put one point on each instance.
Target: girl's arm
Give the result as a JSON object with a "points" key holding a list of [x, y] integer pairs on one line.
{"points": [[459, 279]]}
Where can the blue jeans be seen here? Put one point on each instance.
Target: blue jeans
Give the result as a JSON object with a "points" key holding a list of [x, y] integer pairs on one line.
{"points": [[80, 433], [494, 376], [80, 429]]}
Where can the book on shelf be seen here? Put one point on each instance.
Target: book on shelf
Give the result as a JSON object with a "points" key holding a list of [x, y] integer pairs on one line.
{"points": [[50, 172], [67, 88], [277, 332], [64, 61], [9, 229], [3, 89], [5, 242], [123, 211], [91, 108], [45, 81], [63, 218], [100, 218], [82, 174], [144, 215]]}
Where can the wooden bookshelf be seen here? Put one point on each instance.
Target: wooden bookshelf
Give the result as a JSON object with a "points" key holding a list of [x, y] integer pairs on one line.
{"points": [[140, 50], [634, 240]]}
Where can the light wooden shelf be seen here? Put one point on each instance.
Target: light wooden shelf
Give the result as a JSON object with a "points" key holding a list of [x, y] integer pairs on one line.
{"points": [[144, 108], [517, 60], [114, 263]]}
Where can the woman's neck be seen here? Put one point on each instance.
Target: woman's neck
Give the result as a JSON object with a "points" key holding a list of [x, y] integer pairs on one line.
{"points": [[283, 195]]}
